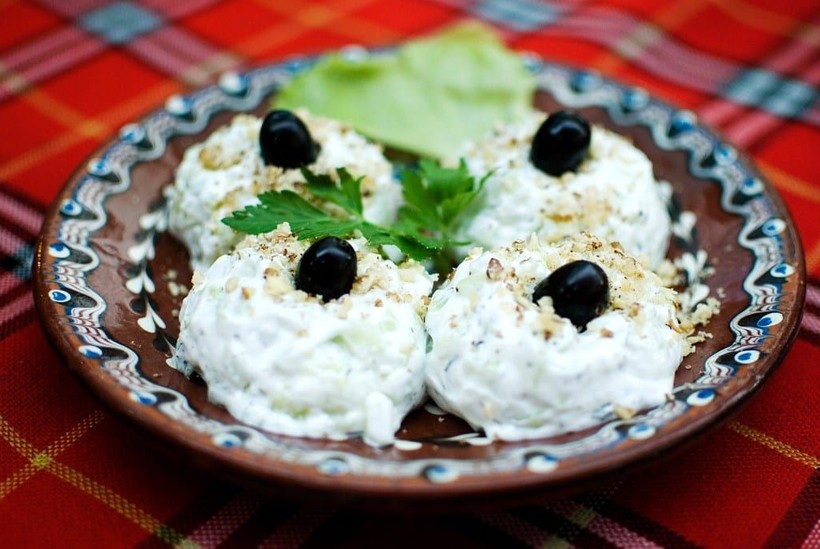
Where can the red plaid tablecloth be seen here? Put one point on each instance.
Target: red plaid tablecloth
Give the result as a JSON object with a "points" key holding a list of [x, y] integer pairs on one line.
{"points": [[72, 73]]}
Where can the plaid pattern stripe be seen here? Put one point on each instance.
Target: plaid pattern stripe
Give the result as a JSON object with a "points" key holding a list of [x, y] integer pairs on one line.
{"points": [[72, 73], [19, 225]]}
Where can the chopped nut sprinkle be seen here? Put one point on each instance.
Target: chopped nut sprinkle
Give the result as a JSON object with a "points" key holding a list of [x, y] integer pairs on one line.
{"points": [[623, 412], [495, 270], [231, 284]]}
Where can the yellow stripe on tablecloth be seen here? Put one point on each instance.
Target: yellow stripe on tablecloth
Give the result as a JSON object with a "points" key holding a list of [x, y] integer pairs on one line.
{"points": [[770, 21], [118, 503], [64, 114], [17, 479], [75, 433], [355, 28], [556, 543], [12, 81], [40, 460], [788, 182], [38, 155], [203, 72], [647, 34], [124, 111], [13, 438], [774, 444], [317, 15], [582, 516], [79, 127], [800, 188], [47, 461], [50, 107], [344, 23], [314, 17], [810, 34]]}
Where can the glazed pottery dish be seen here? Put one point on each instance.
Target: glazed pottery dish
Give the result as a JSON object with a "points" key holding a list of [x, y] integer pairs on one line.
{"points": [[110, 281]]}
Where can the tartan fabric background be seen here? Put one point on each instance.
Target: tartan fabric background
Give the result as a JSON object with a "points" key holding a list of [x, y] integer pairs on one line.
{"points": [[72, 73]]}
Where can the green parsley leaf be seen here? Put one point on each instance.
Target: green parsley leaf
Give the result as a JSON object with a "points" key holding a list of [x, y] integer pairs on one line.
{"points": [[419, 205], [347, 194], [273, 209], [308, 221], [434, 199], [446, 182]]}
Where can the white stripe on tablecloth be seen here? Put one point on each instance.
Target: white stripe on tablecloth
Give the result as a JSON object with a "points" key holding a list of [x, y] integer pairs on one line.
{"points": [[811, 321], [298, 528], [10, 243], [225, 521], [9, 312], [813, 539], [521, 530], [19, 214]]}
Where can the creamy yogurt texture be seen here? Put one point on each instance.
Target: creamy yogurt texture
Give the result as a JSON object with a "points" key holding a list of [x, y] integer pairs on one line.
{"points": [[226, 172], [612, 194], [286, 361], [517, 370]]}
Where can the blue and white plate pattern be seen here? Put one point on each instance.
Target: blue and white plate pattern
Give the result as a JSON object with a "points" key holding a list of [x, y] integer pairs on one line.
{"points": [[759, 332]]}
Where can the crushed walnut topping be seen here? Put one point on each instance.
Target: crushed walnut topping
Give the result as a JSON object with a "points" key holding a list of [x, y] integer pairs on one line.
{"points": [[495, 270], [231, 284], [623, 412]]}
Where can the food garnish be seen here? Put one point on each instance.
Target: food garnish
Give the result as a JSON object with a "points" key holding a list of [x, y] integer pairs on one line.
{"points": [[561, 143], [327, 268], [425, 97], [434, 198], [484, 350], [285, 141], [579, 291]]}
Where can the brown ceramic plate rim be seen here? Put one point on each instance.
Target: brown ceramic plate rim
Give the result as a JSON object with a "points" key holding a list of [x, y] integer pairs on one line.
{"points": [[77, 314]]}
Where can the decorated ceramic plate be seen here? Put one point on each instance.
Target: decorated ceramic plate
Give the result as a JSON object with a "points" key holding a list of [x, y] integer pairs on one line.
{"points": [[108, 283]]}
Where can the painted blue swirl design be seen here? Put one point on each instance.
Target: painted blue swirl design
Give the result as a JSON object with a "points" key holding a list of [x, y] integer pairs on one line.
{"points": [[742, 194], [333, 466], [440, 473]]}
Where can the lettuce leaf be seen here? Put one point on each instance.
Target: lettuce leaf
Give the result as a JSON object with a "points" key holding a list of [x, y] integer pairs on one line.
{"points": [[427, 97]]}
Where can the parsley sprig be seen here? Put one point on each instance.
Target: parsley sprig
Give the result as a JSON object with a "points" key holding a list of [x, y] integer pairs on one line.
{"points": [[434, 199]]}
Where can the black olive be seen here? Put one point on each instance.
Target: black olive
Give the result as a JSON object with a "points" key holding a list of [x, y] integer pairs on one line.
{"points": [[327, 268], [579, 291], [285, 141], [561, 143]]}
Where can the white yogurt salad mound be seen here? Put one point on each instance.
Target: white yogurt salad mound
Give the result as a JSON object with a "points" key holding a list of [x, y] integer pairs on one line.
{"points": [[560, 326], [226, 172], [612, 193], [518, 370], [290, 362]]}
